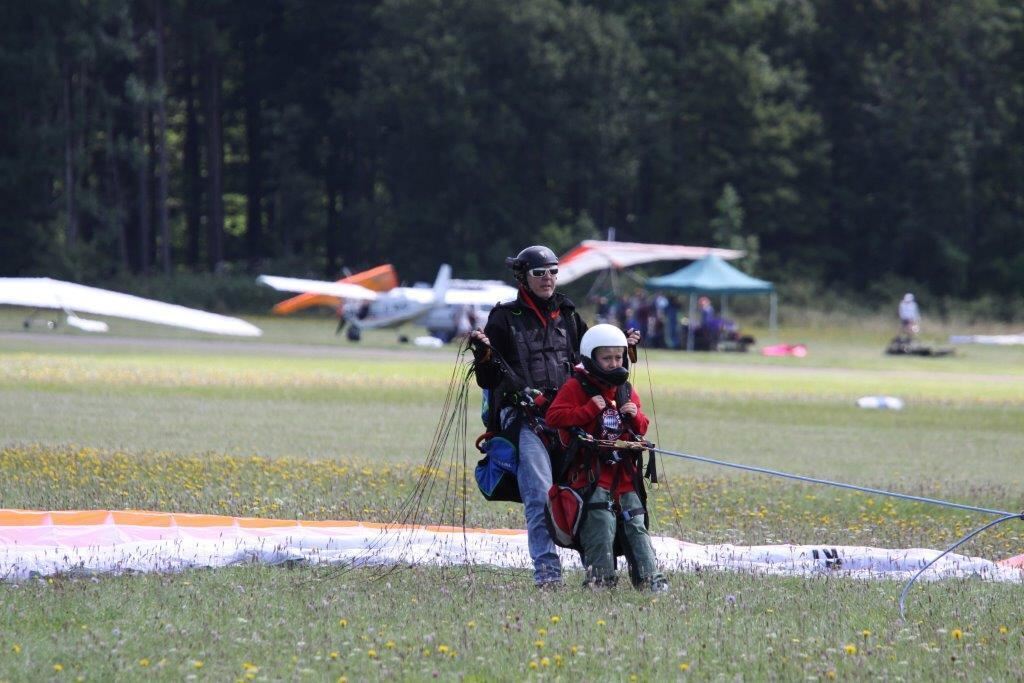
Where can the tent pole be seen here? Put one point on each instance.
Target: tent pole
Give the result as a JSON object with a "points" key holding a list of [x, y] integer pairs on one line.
{"points": [[689, 326], [773, 313], [598, 283]]}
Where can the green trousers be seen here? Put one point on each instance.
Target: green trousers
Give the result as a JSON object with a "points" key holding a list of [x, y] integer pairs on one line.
{"points": [[598, 540]]}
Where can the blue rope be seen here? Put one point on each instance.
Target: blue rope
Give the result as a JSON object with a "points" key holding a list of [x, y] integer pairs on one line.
{"points": [[1004, 515], [813, 480], [903, 593]]}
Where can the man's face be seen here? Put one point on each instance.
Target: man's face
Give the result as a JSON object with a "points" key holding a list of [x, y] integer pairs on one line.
{"points": [[608, 357], [541, 281]]}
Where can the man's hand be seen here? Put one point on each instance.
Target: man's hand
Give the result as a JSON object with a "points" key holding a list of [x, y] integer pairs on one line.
{"points": [[632, 339], [478, 336], [599, 401], [481, 346], [628, 409]]}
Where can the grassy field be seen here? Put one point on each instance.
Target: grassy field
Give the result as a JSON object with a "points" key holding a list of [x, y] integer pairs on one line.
{"points": [[299, 424]]}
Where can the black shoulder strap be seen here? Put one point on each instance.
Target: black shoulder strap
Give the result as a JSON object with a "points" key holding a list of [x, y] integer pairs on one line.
{"points": [[573, 330], [623, 394]]}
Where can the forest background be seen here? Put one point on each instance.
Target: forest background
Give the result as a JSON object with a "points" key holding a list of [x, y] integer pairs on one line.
{"points": [[861, 146]]}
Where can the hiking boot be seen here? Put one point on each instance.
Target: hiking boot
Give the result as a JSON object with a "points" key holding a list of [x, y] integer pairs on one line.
{"points": [[658, 584]]}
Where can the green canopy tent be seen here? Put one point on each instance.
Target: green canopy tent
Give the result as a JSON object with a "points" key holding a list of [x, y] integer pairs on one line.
{"points": [[712, 275]]}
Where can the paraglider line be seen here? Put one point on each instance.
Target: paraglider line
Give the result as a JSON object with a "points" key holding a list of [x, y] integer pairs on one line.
{"points": [[827, 482], [903, 593]]}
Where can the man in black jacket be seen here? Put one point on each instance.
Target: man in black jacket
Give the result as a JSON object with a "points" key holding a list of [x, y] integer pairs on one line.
{"points": [[536, 337]]}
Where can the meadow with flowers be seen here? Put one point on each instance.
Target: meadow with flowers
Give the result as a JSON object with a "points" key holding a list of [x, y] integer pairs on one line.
{"points": [[299, 426]]}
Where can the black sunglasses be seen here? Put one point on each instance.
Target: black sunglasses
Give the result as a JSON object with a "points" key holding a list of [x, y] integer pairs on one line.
{"points": [[541, 272]]}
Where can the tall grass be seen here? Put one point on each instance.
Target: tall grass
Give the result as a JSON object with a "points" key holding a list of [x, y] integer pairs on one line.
{"points": [[282, 428]]}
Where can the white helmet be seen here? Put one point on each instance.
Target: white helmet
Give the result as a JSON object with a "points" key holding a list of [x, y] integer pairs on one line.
{"points": [[601, 335], [604, 335]]}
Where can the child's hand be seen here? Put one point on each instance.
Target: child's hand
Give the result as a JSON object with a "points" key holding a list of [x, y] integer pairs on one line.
{"points": [[628, 409], [599, 401]]}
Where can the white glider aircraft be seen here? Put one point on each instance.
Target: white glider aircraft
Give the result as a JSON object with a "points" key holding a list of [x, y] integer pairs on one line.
{"points": [[439, 308], [43, 292]]}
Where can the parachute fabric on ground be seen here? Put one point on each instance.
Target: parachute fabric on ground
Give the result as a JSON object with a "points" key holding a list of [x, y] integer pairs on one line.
{"points": [[91, 542]]}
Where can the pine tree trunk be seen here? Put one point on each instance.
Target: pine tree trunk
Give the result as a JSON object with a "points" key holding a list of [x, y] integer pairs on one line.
{"points": [[333, 227], [144, 206], [254, 167], [71, 228], [214, 160], [163, 223], [192, 180]]}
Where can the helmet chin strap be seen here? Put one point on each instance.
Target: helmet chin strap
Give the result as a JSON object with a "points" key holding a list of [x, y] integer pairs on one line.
{"points": [[615, 377]]}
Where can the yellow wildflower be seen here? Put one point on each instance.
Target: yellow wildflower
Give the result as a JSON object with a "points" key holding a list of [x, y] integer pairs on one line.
{"points": [[850, 649]]}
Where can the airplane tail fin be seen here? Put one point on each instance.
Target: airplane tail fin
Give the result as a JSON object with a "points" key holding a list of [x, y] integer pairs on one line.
{"points": [[444, 278]]}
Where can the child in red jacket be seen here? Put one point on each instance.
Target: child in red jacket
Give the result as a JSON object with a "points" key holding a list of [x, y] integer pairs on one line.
{"points": [[589, 401]]}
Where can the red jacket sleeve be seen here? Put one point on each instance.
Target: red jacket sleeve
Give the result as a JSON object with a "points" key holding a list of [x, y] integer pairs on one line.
{"points": [[640, 423], [571, 407]]}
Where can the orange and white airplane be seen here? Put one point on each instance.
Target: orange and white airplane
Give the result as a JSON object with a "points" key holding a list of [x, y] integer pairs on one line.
{"points": [[445, 308]]}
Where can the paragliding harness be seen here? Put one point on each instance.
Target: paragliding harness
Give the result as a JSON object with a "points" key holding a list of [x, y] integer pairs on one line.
{"points": [[577, 474], [496, 472]]}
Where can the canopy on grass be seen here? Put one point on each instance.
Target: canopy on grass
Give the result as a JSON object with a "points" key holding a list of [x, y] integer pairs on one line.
{"points": [[712, 275], [87, 542]]}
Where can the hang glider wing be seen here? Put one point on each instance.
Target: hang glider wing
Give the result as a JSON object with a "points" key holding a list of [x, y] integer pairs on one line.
{"points": [[379, 279], [39, 543], [73, 298], [478, 292], [342, 290], [591, 255]]}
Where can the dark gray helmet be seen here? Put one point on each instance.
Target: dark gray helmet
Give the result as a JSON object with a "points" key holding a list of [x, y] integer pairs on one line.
{"points": [[536, 256]]}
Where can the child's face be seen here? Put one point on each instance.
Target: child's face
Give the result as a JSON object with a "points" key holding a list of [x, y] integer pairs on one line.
{"points": [[608, 357]]}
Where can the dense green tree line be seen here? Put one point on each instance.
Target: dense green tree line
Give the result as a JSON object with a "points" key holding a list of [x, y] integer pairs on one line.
{"points": [[845, 141]]}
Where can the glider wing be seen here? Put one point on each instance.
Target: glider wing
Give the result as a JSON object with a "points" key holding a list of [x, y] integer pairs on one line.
{"points": [[342, 290], [591, 255], [71, 298], [379, 279]]}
